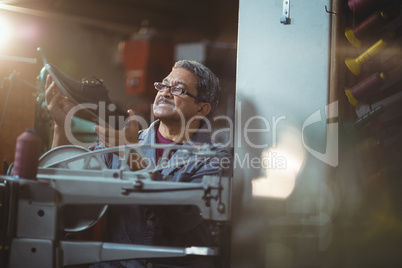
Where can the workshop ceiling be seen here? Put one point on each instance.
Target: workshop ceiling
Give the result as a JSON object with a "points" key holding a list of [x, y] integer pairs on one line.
{"points": [[127, 15]]}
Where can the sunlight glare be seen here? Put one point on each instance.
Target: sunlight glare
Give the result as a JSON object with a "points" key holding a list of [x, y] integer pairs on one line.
{"points": [[5, 32], [283, 164]]}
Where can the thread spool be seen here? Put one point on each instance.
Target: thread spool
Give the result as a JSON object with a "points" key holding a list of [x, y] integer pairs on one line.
{"points": [[371, 24], [365, 87], [27, 154], [385, 93], [392, 62], [393, 99], [354, 65], [370, 116], [365, 119], [361, 7]]}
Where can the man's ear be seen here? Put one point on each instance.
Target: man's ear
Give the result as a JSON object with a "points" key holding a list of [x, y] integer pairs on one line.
{"points": [[204, 109]]}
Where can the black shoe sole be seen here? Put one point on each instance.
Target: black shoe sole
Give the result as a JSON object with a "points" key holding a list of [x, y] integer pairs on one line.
{"points": [[84, 113]]}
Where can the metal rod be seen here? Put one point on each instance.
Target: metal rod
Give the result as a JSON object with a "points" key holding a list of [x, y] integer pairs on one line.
{"points": [[7, 99], [70, 18], [18, 59]]}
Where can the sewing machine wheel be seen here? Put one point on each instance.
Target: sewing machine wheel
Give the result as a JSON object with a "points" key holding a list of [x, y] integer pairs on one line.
{"points": [[76, 218], [66, 151]]}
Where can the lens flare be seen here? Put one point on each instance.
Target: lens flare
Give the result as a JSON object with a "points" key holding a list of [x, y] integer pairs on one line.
{"points": [[280, 167], [5, 32]]}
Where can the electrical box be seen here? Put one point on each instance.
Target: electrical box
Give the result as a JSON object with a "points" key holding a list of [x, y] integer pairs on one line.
{"points": [[145, 62]]}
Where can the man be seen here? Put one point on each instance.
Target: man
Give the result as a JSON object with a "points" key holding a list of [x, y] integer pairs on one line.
{"points": [[184, 99]]}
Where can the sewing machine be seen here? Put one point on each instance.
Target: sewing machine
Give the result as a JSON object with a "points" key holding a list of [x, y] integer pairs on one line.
{"points": [[72, 191]]}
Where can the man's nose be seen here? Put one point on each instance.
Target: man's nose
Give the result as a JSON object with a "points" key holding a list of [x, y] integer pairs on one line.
{"points": [[166, 92]]}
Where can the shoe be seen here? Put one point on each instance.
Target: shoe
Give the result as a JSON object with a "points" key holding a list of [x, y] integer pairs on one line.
{"points": [[89, 92]]}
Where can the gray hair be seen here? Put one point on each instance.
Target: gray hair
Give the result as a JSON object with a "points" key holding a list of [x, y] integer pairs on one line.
{"points": [[208, 88]]}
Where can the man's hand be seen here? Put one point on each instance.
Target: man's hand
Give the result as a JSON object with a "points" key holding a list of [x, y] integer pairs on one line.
{"points": [[128, 135], [57, 104], [58, 107]]}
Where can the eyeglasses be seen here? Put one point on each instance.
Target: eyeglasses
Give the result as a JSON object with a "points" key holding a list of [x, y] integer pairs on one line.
{"points": [[174, 90]]}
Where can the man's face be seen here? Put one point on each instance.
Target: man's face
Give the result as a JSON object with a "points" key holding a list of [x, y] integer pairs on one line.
{"points": [[168, 106]]}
